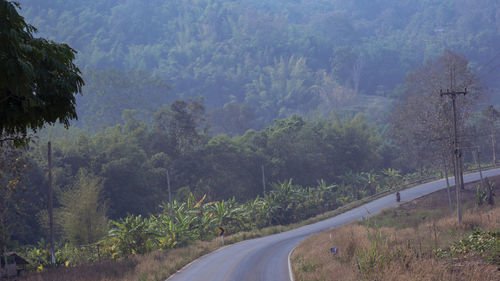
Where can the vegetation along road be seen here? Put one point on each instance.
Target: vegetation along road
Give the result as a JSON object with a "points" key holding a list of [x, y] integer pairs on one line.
{"points": [[267, 258]]}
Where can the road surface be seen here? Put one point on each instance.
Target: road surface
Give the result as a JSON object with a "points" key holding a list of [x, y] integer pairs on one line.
{"points": [[266, 258]]}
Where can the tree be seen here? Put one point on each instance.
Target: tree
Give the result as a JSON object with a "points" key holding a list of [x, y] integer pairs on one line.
{"points": [[492, 116], [343, 62], [351, 145], [422, 121], [12, 166], [233, 170], [108, 93], [232, 119], [283, 89], [354, 180], [38, 79], [184, 124], [83, 213]]}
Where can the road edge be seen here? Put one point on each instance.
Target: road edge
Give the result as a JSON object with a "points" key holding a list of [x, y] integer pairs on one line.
{"points": [[196, 260], [290, 271], [338, 211]]}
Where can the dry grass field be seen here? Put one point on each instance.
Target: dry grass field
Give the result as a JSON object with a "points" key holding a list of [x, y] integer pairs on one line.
{"points": [[401, 243]]}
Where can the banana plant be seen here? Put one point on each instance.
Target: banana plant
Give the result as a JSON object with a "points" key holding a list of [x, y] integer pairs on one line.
{"points": [[354, 180], [162, 224], [228, 215], [132, 235], [393, 178], [370, 182], [286, 197]]}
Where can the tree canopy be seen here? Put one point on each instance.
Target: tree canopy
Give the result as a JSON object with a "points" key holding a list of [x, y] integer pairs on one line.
{"points": [[275, 57], [38, 80]]}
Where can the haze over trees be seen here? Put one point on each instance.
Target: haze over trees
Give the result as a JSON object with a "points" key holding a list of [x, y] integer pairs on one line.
{"points": [[218, 93], [274, 58]]}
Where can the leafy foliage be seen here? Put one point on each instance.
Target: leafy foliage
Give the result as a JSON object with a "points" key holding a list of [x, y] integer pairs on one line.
{"points": [[131, 235], [83, 214], [132, 159], [276, 57], [38, 79], [11, 175], [485, 243], [195, 219]]}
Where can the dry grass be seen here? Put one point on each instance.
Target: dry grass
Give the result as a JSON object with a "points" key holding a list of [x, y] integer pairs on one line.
{"points": [[158, 265], [154, 266], [401, 251]]}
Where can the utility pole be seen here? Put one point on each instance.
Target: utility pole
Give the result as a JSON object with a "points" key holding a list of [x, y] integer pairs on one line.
{"points": [[493, 147], [480, 169], [447, 183], [458, 154], [478, 158], [263, 180], [51, 205], [493, 115], [170, 196]]}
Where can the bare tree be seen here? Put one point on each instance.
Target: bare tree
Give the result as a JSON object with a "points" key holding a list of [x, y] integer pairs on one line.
{"points": [[356, 73], [423, 120]]}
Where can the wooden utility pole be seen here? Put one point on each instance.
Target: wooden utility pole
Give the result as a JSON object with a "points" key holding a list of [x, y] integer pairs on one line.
{"points": [[447, 183], [51, 206], [492, 117], [478, 159], [480, 169], [170, 196], [493, 147], [263, 180], [458, 154]]}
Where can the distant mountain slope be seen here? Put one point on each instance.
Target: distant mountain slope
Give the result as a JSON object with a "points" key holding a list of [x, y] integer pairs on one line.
{"points": [[278, 57]]}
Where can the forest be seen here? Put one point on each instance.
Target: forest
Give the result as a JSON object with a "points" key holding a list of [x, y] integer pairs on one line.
{"points": [[256, 113], [255, 61]]}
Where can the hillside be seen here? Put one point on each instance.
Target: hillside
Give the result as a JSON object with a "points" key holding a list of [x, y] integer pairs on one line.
{"points": [[272, 58]]}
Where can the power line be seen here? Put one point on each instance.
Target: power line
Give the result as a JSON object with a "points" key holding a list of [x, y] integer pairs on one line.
{"points": [[481, 68], [485, 133], [492, 69]]}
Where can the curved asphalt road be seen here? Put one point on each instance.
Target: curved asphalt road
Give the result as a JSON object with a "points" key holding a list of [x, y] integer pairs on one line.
{"points": [[266, 258]]}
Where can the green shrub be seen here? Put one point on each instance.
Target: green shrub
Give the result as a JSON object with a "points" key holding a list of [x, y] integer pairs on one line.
{"points": [[486, 243]]}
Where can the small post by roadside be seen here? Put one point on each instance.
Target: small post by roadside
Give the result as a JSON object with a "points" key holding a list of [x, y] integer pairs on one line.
{"points": [[98, 253], [221, 234]]}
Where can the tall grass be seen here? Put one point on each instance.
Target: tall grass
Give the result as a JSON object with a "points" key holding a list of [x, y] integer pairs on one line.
{"points": [[369, 252]]}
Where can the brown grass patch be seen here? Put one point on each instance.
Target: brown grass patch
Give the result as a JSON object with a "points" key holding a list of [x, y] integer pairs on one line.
{"points": [[396, 249]]}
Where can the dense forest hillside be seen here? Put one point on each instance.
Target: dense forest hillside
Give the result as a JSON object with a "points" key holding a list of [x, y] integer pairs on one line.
{"points": [[254, 61]]}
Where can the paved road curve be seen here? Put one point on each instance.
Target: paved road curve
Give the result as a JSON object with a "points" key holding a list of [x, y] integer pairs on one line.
{"points": [[266, 258]]}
